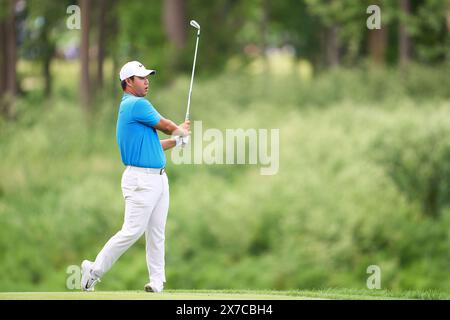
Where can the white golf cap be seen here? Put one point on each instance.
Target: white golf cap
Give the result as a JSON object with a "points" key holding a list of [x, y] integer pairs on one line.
{"points": [[134, 68]]}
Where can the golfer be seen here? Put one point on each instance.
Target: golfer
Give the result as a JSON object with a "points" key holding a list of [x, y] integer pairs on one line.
{"points": [[145, 187]]}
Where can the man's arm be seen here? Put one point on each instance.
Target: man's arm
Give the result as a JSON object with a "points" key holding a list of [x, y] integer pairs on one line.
{"points": [[174, 142], [169, 127], [165, 125], [168, 144]]}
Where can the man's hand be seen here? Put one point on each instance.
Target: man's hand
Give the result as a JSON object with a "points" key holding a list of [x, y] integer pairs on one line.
{"points": [[185, 126], [181, 141], [184, 141], [185, 138]]}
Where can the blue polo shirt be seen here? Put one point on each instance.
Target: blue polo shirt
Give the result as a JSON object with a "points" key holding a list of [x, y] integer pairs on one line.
{"points": [[138, 141]]}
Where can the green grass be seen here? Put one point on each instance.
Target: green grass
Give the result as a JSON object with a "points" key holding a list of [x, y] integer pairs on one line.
{"points": [[339, 294]]}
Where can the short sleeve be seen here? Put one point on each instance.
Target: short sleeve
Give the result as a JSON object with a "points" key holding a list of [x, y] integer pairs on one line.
{"points": [[145, 113]]}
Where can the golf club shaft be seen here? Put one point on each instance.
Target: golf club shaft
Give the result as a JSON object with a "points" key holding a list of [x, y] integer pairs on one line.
{"points": [[192, 78]]}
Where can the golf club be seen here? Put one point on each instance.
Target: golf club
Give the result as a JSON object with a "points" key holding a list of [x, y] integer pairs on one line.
{"points": [[196, 26]]}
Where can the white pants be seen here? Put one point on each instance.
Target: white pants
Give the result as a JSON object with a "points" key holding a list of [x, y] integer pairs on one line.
{"points": [[146, 205]]}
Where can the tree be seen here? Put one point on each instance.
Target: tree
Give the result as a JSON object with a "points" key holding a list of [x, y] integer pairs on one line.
{"points": [[85, 6], [46, 17], [377, 44], [101, 41], [113, 37], [3, 56], [225, 22], [332, 45], [175, 22], [8, 58], [342, 25], [404, 38], [430, 31], [140, 35], [298, 27]]}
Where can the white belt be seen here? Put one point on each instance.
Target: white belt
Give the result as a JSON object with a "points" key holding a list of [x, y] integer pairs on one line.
{"points": [[148, 170]]}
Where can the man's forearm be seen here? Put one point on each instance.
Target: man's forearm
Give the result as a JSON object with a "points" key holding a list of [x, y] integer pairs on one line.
{"points": [[167, 126], [168, 144], [171, 128]]}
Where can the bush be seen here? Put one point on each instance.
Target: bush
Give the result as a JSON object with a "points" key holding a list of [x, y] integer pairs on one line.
{"points": [[416, 155]]}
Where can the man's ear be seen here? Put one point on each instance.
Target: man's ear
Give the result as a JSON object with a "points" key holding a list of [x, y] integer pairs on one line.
{"points": [[129, 82]]}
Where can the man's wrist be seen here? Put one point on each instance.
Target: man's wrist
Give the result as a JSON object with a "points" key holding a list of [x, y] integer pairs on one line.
{"points": [[180, 131], [181, 140], [178, 140]]}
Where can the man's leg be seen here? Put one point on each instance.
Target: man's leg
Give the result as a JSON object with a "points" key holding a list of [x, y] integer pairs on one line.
{"points": [[140, 201], [155, 238]]}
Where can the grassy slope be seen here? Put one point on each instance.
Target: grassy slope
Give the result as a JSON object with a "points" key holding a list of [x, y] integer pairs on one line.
{"points": [[227, 295]]}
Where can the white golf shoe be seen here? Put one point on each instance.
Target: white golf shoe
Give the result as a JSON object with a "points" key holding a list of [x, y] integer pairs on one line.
{"points": [[150, 287], [87, 280]]}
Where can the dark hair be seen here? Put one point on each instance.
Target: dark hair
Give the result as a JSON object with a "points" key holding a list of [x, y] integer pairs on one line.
{"points": [[124, 84]]}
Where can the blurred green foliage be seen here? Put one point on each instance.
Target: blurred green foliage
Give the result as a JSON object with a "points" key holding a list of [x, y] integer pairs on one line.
{"points": [[416, 155], [357, 149], [240, 28]]}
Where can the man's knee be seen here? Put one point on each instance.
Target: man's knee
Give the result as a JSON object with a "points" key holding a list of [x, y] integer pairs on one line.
{"points": [[132, 234]]}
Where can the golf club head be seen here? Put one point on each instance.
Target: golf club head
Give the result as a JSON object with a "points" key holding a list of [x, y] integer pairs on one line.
{"points": [[195, 24]]}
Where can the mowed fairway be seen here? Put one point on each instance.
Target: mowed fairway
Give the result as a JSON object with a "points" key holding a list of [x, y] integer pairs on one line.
{"points": [[224, 295], [139, 295]]}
